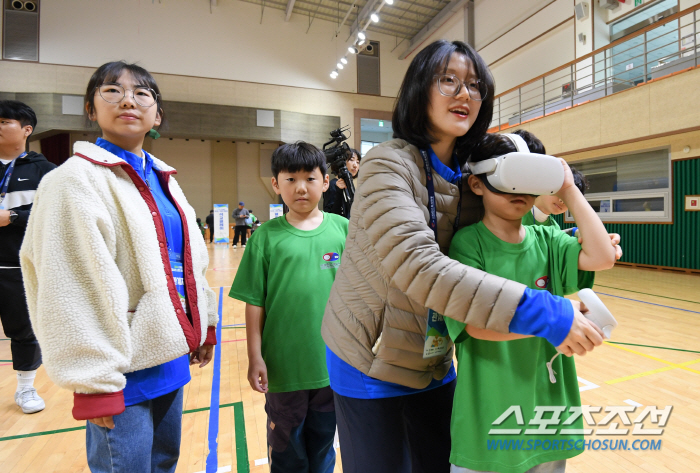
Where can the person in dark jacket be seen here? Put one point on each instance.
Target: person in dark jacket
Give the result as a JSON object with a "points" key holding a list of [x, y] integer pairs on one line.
{"points": [[239, 216], [210, 225], [20, 173], [334, 198]]}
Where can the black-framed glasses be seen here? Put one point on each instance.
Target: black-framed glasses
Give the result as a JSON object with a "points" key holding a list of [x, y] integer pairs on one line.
{"points": [[115, 93], [450, 85]]}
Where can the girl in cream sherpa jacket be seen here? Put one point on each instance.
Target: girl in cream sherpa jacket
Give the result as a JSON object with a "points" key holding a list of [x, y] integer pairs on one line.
{"points": [[99, 286]]}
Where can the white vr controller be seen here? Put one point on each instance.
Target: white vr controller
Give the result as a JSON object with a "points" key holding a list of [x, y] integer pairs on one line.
{"points": [[597, 312], [521, 172]]}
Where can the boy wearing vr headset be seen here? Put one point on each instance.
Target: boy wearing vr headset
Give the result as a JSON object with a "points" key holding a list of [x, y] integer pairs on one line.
{"points": [[504, 381]]}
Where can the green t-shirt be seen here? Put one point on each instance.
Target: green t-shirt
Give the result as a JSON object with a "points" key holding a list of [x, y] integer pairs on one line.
{"points": [[290, 272], [493, 376], [529, 219]]}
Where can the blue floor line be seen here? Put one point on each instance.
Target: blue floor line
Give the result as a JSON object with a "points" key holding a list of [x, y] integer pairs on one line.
{"points": [[212, 457], [650, 303]]}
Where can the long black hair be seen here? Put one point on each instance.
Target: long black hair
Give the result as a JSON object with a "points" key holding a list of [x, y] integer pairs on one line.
{"points": [[410, 119], [110, 72]]}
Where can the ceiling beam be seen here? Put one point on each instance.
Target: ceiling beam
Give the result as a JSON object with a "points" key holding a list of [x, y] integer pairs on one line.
{"points": [[290, 7], [439, 20]]}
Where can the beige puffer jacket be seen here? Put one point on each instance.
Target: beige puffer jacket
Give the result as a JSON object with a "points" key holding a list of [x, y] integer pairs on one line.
{"points": [[392, 270]]}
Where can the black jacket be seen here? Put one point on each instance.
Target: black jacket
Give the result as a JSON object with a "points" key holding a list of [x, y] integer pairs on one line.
{"points": [[334, 200], [210, 221], [20, 196]]}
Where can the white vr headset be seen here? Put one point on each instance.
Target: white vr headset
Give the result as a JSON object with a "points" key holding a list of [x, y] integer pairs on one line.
{"points": [[521, 172]]}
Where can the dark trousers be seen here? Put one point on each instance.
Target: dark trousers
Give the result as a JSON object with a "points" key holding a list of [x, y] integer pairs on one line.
{"points": [[405, 434], [300, 431], [239, 230], [26, 355]]}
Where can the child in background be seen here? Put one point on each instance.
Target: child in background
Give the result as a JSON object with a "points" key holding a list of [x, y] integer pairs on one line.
{"points": [[497, 371], [285, 278], [548, 205]]}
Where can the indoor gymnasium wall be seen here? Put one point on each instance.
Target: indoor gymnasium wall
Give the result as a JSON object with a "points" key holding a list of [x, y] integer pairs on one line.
{"points": [[665, 245]]}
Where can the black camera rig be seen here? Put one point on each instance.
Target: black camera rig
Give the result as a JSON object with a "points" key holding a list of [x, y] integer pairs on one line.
{"points": [[337, 153]]}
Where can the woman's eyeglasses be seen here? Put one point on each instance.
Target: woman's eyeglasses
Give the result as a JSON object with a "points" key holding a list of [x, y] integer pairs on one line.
{"points": [[450, 85]]}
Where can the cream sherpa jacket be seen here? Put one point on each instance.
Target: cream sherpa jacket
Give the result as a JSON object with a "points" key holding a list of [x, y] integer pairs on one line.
{"points": [[99, 285]]}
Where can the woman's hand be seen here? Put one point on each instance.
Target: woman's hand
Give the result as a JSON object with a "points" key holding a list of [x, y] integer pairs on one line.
{"points": [[203, 355], [340, 183], [107, 422]]}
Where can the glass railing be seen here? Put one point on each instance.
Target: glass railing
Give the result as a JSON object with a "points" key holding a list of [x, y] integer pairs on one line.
{"points": [[667, 47]]}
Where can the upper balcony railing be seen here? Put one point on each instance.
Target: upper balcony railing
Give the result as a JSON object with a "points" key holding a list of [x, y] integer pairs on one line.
{"points": [[666, 47]]}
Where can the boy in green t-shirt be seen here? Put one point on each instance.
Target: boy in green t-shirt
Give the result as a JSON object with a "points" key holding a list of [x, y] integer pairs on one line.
{"points": [[285, 278], [504, 381]]}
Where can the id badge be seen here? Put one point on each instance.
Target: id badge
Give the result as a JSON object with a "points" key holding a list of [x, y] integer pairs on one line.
{"points": [[179, 279], [436, 336]]}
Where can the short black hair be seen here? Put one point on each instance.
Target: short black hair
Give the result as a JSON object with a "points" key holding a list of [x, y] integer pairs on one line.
{"points": [[15, 110], [356, 153], [580, 180], [110, 72], [410, 118], [496, 144], [299, 156]]}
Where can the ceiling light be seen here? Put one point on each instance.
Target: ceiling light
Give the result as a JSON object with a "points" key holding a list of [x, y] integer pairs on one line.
{"points": [[343, 60], [374, 17], [352, 50], [361, 42], [389, 2], [334, 74], [361, 35], [339, 66]]}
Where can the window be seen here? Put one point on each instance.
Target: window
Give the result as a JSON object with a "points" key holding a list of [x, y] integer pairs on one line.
{"points": [[630, 188], [366, 146]]}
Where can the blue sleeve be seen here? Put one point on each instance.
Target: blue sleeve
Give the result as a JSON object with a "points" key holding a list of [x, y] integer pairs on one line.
{"points": [[543, 315]]}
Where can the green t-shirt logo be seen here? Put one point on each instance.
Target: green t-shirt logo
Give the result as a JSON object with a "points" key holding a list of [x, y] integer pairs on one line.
{"points": [[331, 260]]}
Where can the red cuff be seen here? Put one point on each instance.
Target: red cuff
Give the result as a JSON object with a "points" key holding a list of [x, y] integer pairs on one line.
{"points": [[90, 406], [211, 336]]}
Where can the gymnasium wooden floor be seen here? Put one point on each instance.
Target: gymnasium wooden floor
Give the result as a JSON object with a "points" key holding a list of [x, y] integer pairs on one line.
{"points": [[654, 361]]}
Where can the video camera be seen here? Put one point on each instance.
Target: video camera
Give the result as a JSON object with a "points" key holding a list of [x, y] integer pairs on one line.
{"points": [[337, 153]]}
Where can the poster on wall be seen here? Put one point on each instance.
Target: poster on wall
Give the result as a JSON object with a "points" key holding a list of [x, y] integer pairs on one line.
{"points": [[221, 223], [276, 210], [692, 203]]}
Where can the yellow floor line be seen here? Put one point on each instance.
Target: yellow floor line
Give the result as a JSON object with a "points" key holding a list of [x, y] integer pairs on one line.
{"points": [[647, 373]]}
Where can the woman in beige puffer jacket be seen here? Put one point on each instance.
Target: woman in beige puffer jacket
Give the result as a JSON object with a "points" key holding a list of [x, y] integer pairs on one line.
{"points": [[393, 403]]}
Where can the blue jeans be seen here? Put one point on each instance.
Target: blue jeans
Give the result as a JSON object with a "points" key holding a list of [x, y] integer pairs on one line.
{"points": [[145, 438]]}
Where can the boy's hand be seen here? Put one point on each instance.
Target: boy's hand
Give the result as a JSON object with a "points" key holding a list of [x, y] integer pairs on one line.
{"points": [[257, 375], [614, 240], [203, 355], [107, 422], [583, 336], [568, 179]]}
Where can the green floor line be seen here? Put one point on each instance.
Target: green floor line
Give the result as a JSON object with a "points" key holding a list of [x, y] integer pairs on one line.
{"points": [[60, 431], [5, 361], [38, 434], [232, 328], [650, 346], [4, 339], [648, 294], [242, 464]]}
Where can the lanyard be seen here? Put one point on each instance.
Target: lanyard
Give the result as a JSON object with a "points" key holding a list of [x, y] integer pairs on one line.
{"points": [[6, 179], [430, 186]]}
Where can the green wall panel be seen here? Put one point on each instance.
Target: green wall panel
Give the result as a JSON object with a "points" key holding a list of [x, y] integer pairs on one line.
{"points": [[676, 245]]}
